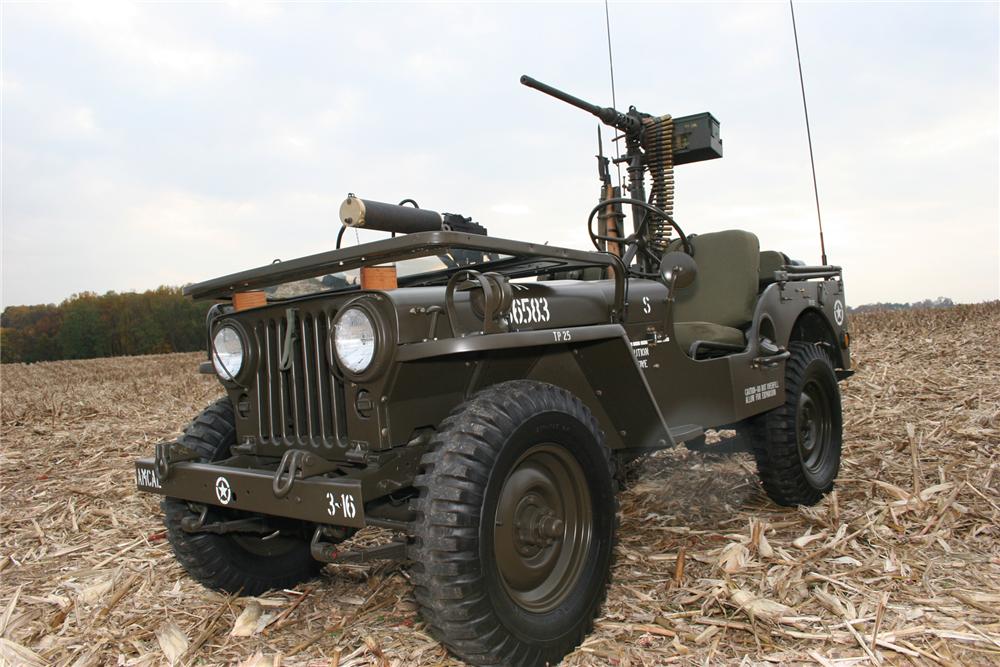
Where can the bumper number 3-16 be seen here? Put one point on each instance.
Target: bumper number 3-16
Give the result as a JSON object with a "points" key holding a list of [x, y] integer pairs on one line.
{"points": [[344, 503]]}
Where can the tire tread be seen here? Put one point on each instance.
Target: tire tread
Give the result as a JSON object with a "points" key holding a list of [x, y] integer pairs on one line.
{"points": [[774, 440]]}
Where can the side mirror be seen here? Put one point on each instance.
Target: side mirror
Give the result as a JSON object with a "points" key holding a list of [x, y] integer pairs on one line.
{"points": [[678, 270]]}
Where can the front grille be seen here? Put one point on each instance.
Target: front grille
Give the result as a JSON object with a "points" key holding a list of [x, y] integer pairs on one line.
{"points": [[299, 405]]}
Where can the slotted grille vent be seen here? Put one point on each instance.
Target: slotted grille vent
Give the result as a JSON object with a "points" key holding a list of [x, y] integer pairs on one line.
{"points": [[300, 403]]}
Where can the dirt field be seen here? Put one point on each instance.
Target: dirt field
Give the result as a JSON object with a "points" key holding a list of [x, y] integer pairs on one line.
{"points": [[900, 565]]}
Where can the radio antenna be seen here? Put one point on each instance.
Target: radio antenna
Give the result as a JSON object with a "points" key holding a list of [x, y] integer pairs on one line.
{"points": [[614, 102], [805, 109]]}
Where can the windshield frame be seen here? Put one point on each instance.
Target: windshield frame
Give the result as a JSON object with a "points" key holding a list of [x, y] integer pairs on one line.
{"points": [[523, 260]]}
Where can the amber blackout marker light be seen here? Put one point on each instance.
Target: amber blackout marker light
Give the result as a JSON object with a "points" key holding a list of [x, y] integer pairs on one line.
{"points": [[378, 277], [246, 300]]}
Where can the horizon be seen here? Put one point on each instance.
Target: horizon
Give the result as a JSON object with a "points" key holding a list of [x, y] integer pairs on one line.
{"points": [[160, 145], [850, 305]]}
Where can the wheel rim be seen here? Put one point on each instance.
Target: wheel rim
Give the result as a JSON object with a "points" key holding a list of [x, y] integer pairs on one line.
{"points": [[543, 527], [814, 426]]}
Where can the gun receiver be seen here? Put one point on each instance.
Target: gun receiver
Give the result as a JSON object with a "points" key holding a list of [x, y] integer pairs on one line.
{"points": [[696, 137]]}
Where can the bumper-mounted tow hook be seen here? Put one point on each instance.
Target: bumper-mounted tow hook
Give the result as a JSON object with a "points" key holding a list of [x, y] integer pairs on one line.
{"points": [[169, 453], [298, 464]]}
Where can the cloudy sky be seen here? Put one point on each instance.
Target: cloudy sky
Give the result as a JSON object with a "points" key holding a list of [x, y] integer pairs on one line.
{"points": [[169, 143]]}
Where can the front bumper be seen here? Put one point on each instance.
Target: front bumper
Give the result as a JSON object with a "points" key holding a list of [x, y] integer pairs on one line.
{"points": [[332, 501]]}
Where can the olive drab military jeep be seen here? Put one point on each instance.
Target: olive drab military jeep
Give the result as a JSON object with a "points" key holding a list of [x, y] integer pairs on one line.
{"points": [[475, 397]]}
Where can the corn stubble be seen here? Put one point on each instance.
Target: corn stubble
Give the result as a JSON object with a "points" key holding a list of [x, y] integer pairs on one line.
{"points": [[900, 565]]}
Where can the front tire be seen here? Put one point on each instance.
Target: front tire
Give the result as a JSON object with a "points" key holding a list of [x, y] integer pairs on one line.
{"points": [[798, 444], [235, 562], [515, 526]]}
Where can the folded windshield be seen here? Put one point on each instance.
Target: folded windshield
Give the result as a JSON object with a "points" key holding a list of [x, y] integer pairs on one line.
{"points": [[421, 259], [426, 267]]}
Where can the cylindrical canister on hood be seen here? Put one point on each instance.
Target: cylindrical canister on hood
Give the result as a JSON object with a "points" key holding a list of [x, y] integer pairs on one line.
{"points": [[368, 214]]}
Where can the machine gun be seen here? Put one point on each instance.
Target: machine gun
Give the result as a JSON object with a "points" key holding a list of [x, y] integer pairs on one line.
{"points": [[654, 144], [401, 219]]}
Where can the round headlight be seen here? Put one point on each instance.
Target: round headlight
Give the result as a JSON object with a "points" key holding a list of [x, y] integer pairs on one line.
{"points": [[354, 340], [227, 353]]}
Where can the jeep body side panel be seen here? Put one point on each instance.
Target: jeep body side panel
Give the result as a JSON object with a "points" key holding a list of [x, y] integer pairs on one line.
{"points": [[711, 392], [718, 392]]}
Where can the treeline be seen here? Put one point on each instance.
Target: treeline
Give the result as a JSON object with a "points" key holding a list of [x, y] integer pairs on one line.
{"points": [[940, 302], [89, 325]]}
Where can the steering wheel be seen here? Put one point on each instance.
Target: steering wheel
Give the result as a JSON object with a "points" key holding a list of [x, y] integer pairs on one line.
{"points": [[631, 242]]}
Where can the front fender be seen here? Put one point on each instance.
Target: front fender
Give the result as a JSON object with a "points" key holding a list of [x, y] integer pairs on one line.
{"points": [[595, 363]]}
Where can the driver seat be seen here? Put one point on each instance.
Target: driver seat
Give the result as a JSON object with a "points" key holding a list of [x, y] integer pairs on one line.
{"points": [[715, 310]]}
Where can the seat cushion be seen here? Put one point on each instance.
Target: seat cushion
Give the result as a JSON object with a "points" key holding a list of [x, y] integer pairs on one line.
{"points": [[689, 332]]}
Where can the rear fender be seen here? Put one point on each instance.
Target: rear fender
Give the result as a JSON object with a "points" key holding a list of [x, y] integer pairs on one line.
{"points": [[810, 311]]}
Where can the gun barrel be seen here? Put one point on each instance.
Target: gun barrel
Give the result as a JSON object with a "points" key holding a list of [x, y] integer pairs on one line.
{"points": [[607, 115], [560, 95]]}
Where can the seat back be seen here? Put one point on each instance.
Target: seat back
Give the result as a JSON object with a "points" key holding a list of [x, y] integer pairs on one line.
{"points": [[770, 261], [725, 288]]}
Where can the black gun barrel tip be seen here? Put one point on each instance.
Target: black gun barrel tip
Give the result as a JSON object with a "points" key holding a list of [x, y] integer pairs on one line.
{"points": [[525, 79]]}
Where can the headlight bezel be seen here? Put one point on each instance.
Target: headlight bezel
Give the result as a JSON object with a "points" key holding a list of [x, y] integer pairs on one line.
{"points": [[383, 350], [247, 360]]}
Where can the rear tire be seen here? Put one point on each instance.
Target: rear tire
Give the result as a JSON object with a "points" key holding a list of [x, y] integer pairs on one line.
{"points": [[515, 526], [236, 562], [798, 444]]}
